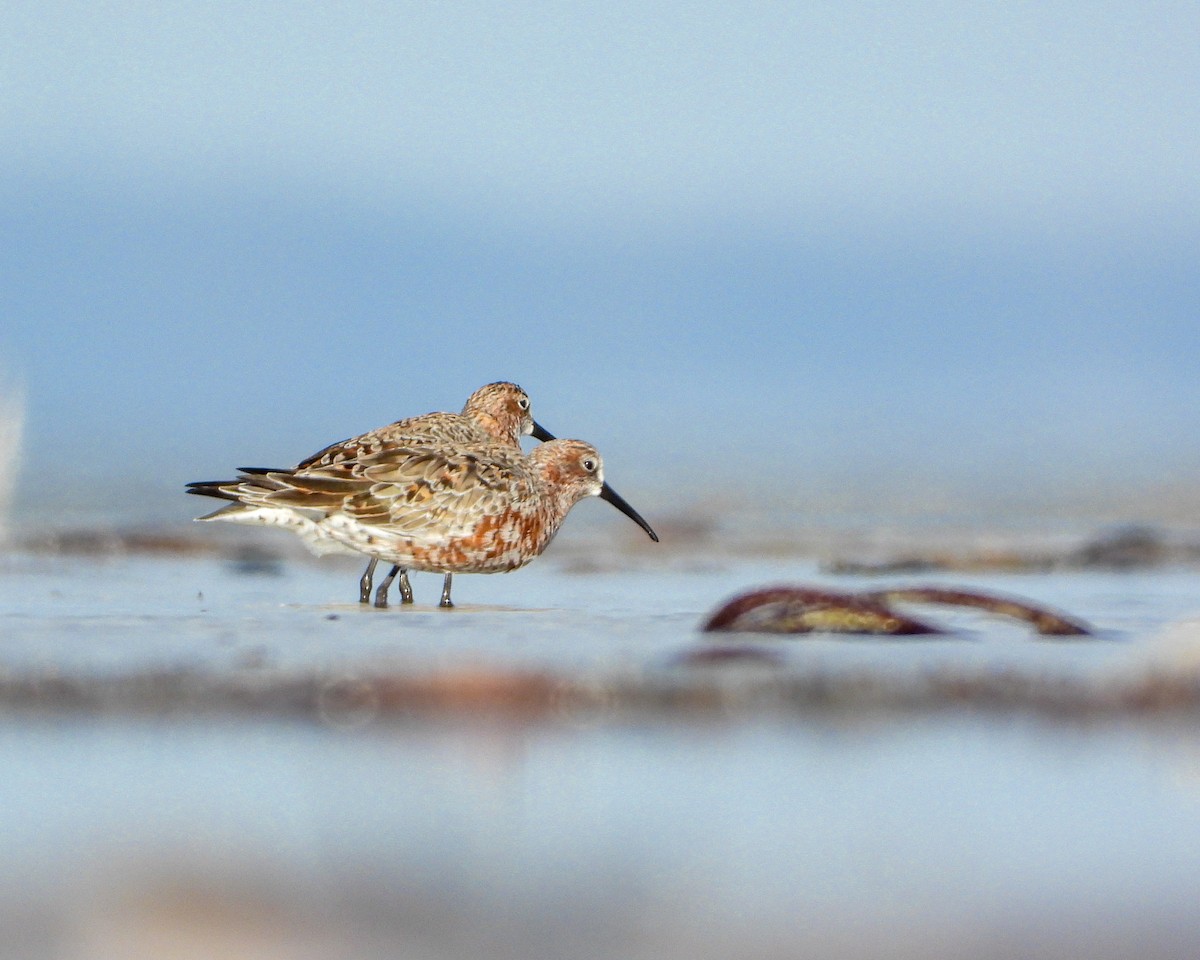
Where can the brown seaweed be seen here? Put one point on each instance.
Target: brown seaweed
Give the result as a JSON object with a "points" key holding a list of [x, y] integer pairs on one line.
{"points": [[1044, 620], [800, 609], [813, 610]]}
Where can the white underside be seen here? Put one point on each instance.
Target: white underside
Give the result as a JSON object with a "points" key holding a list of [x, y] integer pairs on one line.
{"points": [[310, 531], [338, 534]]}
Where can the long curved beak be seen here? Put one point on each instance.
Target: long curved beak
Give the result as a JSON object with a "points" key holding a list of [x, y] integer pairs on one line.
{"points": [[611, 495], [541, 433]]}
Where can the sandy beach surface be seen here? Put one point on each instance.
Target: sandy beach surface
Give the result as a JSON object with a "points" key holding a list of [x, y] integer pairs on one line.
{"points": [[224, 755]]}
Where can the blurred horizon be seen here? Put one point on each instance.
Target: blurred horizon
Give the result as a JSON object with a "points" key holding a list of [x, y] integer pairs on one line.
{"points": [[838, 255]]}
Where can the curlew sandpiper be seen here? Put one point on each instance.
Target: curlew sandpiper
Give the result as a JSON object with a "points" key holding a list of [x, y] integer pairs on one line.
{"points": [[448, 508], [499, 412]]}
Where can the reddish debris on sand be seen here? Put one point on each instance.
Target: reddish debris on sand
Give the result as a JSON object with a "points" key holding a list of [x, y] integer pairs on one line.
{"points": [[811, 610], [818, 610], [1047, 622]]}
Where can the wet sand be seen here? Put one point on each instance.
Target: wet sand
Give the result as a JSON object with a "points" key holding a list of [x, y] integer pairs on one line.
{"points": [[209, 757]]}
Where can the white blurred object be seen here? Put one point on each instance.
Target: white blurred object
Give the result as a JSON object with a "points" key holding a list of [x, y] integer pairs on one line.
{"points": [[12, 421], [1176, 647]]}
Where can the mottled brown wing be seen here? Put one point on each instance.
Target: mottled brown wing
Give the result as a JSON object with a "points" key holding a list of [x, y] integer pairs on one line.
{"points": [[413, 431], [304, 490], [436, 493]]}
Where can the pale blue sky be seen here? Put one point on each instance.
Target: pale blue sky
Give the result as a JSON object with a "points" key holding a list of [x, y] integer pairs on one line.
{"points": [[809, 244]]}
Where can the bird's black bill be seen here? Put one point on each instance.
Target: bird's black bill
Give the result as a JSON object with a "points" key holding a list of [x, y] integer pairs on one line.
{"points": [[611, 495], [541, 433]]}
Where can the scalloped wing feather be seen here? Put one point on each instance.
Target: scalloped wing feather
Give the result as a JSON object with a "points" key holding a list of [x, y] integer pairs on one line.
{"points": [[431, 428], [435, 495]]}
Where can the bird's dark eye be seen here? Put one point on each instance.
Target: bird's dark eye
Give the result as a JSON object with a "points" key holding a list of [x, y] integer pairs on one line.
{"points": [[523, 403], [589, 465]]}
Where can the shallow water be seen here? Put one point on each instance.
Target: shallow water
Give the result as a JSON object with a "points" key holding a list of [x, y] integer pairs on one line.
{"points": [[759, 828]]}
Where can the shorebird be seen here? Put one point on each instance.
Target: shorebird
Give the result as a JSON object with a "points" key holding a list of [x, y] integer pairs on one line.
{"points": [[499, 411], [446, 508], [496, 412]]}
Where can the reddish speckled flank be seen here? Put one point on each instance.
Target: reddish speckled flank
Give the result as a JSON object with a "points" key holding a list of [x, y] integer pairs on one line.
{"points": [[484, 508]]}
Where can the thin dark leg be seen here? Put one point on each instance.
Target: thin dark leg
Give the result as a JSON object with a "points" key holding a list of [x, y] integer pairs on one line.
{"points": [[405, 590], [406, 594], [364, 585], [385, 585], [446, 593]]}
